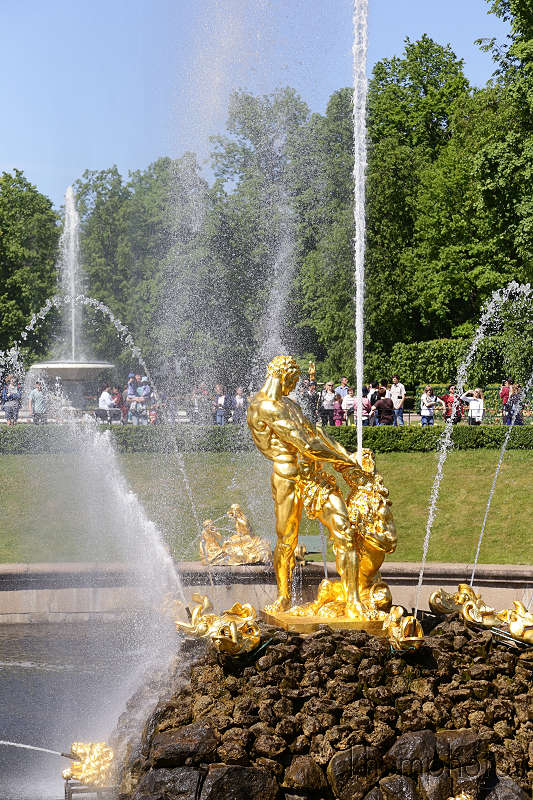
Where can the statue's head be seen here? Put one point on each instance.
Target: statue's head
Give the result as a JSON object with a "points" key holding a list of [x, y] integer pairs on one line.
{"points": [[286, 370]]}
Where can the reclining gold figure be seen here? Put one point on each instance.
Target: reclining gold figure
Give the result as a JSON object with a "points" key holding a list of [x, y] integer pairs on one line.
{"points": [[361, 529]]}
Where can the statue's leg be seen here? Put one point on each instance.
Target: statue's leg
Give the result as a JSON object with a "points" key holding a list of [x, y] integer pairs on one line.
{"points": [[288, 508], [370, 560], [334, 516]]}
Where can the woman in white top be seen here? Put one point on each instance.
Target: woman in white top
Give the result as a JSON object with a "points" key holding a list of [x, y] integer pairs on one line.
{"points": [[428, 402], [474, 398]]}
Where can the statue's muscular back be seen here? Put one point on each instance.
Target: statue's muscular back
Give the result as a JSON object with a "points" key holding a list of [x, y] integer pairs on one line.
{"points": [[263, 414]]}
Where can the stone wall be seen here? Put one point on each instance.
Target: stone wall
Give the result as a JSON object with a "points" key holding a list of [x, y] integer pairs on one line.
{"points": [[337, 715]]}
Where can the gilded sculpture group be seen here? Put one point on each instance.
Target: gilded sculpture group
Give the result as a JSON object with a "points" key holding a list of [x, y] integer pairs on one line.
{"points": [[361, 527]]}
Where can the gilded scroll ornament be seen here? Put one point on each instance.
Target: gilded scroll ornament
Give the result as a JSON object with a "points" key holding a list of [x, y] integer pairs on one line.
{"points": [[517, 621]]}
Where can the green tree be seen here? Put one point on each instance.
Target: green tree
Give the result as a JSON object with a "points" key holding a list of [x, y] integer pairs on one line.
{"points": [[29, 234]]}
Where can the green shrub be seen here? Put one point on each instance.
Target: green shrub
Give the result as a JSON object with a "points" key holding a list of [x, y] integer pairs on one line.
{"points": [[24, 439]]}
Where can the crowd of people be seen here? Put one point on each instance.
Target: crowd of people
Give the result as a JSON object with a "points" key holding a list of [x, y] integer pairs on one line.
{"points": [[382, 403]]}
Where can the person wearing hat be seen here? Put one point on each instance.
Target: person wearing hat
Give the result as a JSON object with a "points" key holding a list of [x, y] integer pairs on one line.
{"points": [[38, 404]]}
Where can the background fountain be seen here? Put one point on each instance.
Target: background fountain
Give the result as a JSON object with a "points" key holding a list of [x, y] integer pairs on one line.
{"points": [[78, 374]]}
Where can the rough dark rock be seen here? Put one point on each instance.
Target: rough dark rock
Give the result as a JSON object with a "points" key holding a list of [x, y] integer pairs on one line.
{"points": [[458, 748], [158, 784], [269, 745], [412, 753], [193, 744], [238, 783], [436, 722], [506, 789], [304, 773], [398, 787], [352, 773], [472, 779], [435, 786]]}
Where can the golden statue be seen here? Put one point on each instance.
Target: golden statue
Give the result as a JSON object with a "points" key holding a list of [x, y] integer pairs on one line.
{"points": [[93, 763], [232, 633], [241, 548], [312, 372], [361, 529]]}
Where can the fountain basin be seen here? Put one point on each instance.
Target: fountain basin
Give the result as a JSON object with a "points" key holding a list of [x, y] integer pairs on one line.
{"points": [[78, 378]]}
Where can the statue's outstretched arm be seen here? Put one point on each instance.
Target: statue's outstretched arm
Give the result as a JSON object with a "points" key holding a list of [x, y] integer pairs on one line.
{"points": [[308, 442]]}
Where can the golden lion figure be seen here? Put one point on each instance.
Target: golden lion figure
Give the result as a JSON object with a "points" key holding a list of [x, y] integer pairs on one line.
{"points": [[361, 528]]}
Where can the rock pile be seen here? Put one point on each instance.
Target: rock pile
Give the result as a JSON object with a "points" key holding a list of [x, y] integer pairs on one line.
{"points": [[338, 715]]}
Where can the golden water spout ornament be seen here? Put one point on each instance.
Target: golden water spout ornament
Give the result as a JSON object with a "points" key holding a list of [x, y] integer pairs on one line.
{"points": [[93, 764], [232, 633], [241, 548], [361, 528], [517, 621]]}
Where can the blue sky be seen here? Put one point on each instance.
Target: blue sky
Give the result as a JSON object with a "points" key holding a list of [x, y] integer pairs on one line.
{"points": [[87, 85]]}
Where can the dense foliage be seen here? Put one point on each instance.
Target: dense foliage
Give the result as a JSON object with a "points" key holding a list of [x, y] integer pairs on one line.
{"points": [[201, 273], [29, 234]]}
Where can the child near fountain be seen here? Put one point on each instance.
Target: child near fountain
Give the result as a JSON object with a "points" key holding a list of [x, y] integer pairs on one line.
{"points": [[338, 413]]}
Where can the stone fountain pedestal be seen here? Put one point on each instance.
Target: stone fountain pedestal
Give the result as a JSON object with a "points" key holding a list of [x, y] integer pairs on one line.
{"points": [[78, 378]]}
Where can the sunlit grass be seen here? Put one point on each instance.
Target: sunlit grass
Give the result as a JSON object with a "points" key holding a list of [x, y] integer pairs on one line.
{"points": [[46, 517]]}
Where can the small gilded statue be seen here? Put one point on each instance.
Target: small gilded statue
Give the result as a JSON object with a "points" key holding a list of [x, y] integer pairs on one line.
{"points": [[232, 633], [92, 764], [241, 548], [361, 528], [312, 372]]}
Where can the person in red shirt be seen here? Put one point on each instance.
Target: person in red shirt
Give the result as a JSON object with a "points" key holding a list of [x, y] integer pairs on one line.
{"points": [[452, 410], [504, 394]]}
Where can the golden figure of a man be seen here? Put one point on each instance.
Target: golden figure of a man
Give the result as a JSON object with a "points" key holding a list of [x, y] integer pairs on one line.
{"points": [[298, 449]]}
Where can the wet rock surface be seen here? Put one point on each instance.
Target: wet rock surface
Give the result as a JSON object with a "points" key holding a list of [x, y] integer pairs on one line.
{"points": [[335, 716]]}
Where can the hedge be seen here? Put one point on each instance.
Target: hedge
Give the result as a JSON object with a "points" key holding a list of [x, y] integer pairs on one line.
{"points": [[24, 439]]}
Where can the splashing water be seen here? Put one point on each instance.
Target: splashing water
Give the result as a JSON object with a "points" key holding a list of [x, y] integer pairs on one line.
{"points": [[516, 411], [30, 747], [491, 307], [58, 301], [360, 83]]}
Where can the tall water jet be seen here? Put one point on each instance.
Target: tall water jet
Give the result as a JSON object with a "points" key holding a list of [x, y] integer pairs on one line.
{"points": [[75, 370], [360, 86], [490, 309], [503, 449], [69, 269]]}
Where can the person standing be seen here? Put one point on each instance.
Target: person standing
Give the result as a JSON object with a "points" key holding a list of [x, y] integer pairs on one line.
{"points": [[453, 408], [348, 404], [221, 406], [373, 397], [342, 388], [239, 406], [474, 398], [428, 403], [504, 395], [514, 405], [325, 408], [309, 403], [11, 399], [338, 413], [384, 407], [397, 395], [38, 404]]}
